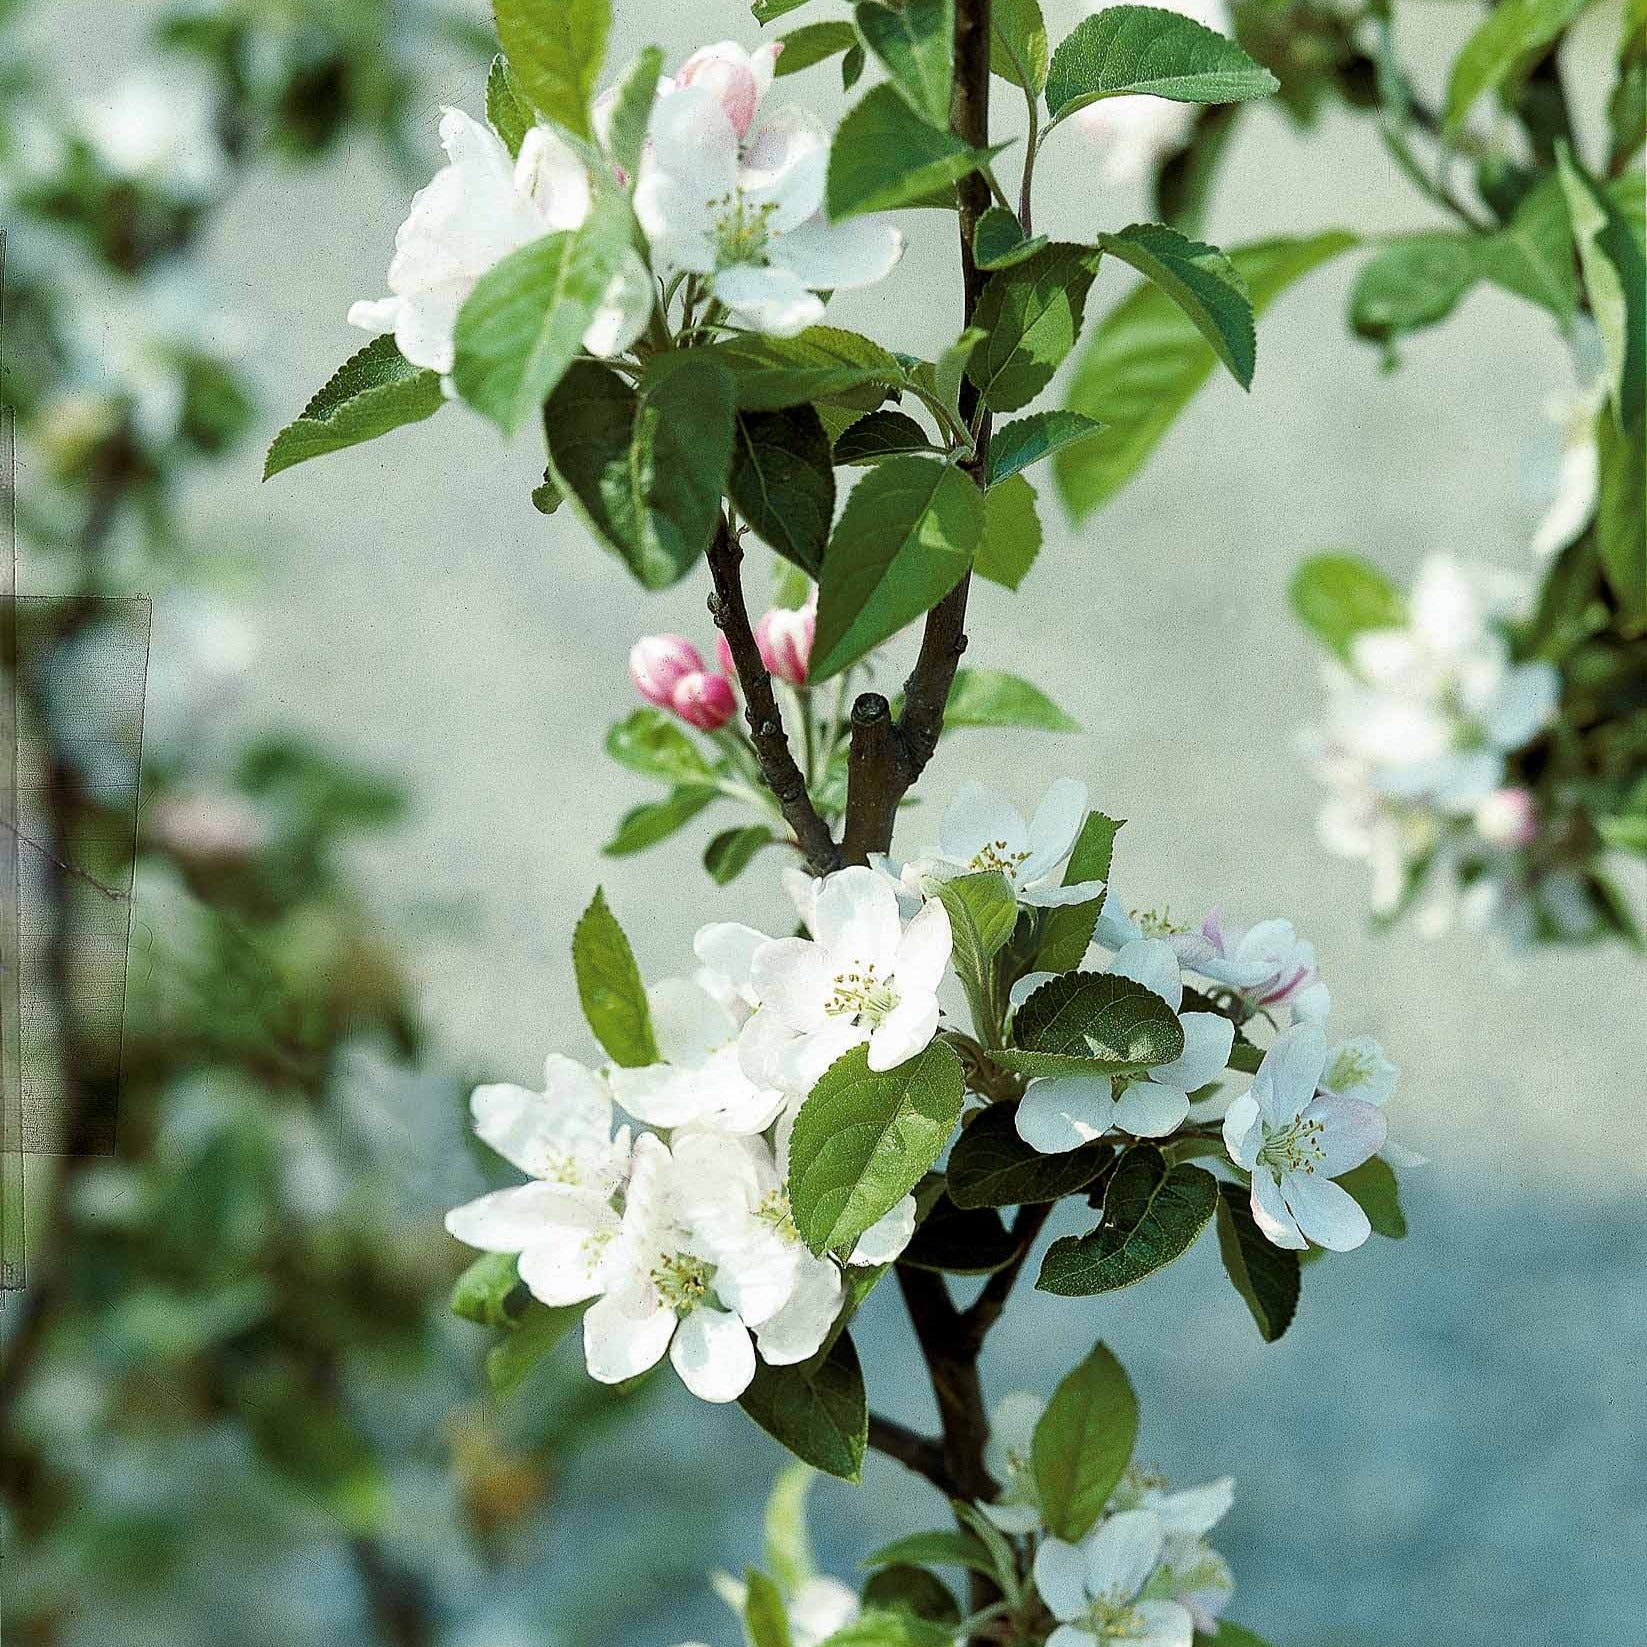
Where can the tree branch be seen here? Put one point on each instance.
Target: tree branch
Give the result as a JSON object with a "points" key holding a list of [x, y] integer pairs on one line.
{"points": [[986, 1308], [783, 777], [952, 1368], [915, 1452]]}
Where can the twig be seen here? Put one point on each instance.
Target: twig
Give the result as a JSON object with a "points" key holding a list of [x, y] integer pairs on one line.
{"points": [[916, 1452], [986, 1308]]}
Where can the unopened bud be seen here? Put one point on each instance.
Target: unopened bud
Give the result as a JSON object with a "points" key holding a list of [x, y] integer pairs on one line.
{"points": [[784, 636], [704, 700], [658, 664], [1507, 818]]}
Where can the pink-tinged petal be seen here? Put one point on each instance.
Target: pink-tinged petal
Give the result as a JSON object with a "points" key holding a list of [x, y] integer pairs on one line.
{"points": [[1063, 1112], [979, 821], [1148, 1109], [714, 1355], [856, 918], [1353, 1132], [622, 1339], [1326, 1212], [923, 951], [1151, 962], [1243, 1131], [1269, 1212], [1208, 1039]]}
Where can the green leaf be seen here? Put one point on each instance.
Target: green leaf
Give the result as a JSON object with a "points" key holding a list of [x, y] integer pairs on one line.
{"points": [[863, 1139], [1027, 440], [1412, 283], [765, 1618], [1066, 931], [999, 241], [1614, 267], [1152, 1215], [960, 1241], [1012, 533], [991, 1166], [916, 1591], [1621, 516], [1338, 597], [646, 469], [652, 743], [539, 1330], [490, 1291], [1031, 315], [610, 988], [523, 324], [904, 540], [509, 111], [769, 11], [632, 111], [783, 482], [373, 391], [556, 48], [1139, 49], [645, 825], [818, 1410], [547, 496], [991, 697], [916, 42], [1202, 281], [821, 363], [950, 368], [1266, 1276], [880, 435], [1084, 1443], [1379, 1196], [885, 155], [1511, 32], [1094, 1023], [1146, 361], [1532, 255], [945, 1547], [852, 66], [786, 1546], [733, 850], [982, 914], [891, 1630], [1018, 43], [814, 43], [1229, 1635]]}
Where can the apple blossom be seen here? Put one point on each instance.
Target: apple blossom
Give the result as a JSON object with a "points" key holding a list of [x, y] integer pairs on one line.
{"points": [[1295, 1140], [784, 635], [731, 190], [704, 700], [1268, 965], [816, 1608], [1507, 818], [1060, 1113], [1095, 1589], [161, 132], [1578, 477], [1008, 1456], [475, 211], [863, 977], [1191, 1571], [659, 663]]}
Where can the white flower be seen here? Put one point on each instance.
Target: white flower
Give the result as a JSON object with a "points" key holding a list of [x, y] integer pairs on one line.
{"points": [[981, 832], [1134, 134], [562, 1139], [1295, 1140], [732, 190], [1359, 1068], [884, 1241], [1578, 479], [1191, 1572], [818, 1608], [1094, 1589], [161, 131], [477, 209], [1268, 965], [1009, 1457], [1061, 1112], [863, 977]]}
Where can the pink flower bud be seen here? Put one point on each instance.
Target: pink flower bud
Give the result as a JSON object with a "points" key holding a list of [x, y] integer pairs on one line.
{"points": [[657, 664], [1507, 818], [785, 639], [735, 78], [723, 656], [704, 700]]}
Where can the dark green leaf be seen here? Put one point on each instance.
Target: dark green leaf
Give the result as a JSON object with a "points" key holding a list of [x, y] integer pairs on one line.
{"points": [[1139, 49], [822, 363], [982, 914], [1266, 1276], [783, 482], [991, 697], [946, 1547], [1066, 931], [547, 496], [490, 1291], [539, 1330], [863, 1139], [1202, 281], [818, 1409], [960, 1241], [373, 391], [852, 66], [1338, 597], [885, 155], [916, 42], [1031, 315], [1094, 1023], [1012, 533], [904, 540], [1027, 440], [815, 43], [610, 988], [733, 850], [556, 48], [1152, 1215], [646, 469], [891, 1630], [913, 1590], [509, 111], [645, 825], [880, 435], [1018, 43], [1621, 515], [991, 1166], [999, 241], [1379, 1196], [1502, 42], [652, 743], [1412, 283], [632, 111], [1083, 1444]]}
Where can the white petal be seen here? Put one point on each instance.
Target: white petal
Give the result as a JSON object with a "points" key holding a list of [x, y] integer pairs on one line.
{"points": [[510, 1220], [1208, 1038], [625, 307], [1196, 1510], [1522, 705], [1070, 1635], [1013, 1518], [687, 1021], [1147, 1109], [1325, 1212], [1063, 1112], [728, 949], [562, 1266], [375, 314], [1291, 1071], [1061, 1578], [1270, 1214], [1353, 1132], [887, 1237], [1359, 1068], [797, 1331], [621, 1340], [836, 257], [1026, 986], [794, 980], [1048, 896], [856, 918], [977, 819], [1012, 1428], [906, 1030], [785, 163], [1152, 963], [1165, 1624], [1243, 1133], [923, 951], [771, 300], [553, 179], [689, 169], [713, 1354], [1122, 1553], [1054, 828]]}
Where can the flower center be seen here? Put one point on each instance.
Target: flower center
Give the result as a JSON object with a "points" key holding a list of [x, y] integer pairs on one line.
{"points": [[1350, 1068], [743, 229], [862, 996], [773, 1209], [1155, 923], [1112, 1620], [556, 1167], [1293, 1148], [996, 855], [682, 1281]]}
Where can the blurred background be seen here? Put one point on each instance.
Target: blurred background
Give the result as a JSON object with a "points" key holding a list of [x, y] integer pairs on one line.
{"points": [[373, 801]]}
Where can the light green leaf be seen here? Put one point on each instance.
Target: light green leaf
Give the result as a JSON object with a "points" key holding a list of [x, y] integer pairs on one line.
{"points": [[1018, 43], [1066, 931], [863, 1139], [1266, 1276], [904, 540], [490, 1291], [1202, 281], [880, 435], [1084, 1443], [950, 368], [523, 324], [769, 11], [1621, 516], [733, 850], [1012, 533], [765, 1618], [1412, 283], [652, 743], [1338, 597], [1532, 255], [916, 42], [998, 241], [945, 1547], [992, 697], [645, 825], [991, 1166], [632, 111], [1229, 1634], [610, 988], [822, 363], [373, 391], [556, 48], [982, 914], [1139, 49], [538, 1331], [818, 1410], [1511, 32], [646, 469], [1152, 1215], [783, 482], [1031, 315], [508, 110], [1379, 1196], [786, 1544], [1027, 440], [1146, 361], [1093, 1023], [873, 1629], [885, 155], [814, 43]]}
